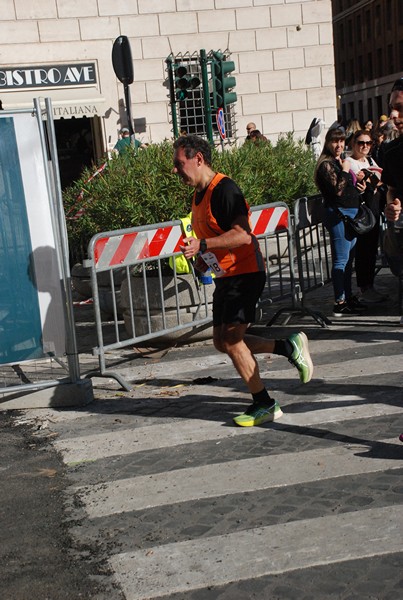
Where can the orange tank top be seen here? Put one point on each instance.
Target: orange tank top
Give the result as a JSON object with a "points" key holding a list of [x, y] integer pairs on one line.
{"points": [[234, 261]]}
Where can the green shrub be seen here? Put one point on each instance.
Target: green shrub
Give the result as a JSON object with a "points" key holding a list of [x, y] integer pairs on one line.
{"points": [[140, 189]]}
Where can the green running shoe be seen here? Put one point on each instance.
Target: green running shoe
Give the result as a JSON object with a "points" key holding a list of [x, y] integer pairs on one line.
{"points": [[257, 414], [300, 357]]}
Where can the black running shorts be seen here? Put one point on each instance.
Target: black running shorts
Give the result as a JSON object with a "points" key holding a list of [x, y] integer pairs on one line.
{"points": [[235, 298]]}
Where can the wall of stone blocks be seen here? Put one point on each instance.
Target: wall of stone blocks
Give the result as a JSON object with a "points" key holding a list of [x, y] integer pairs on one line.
{"points": [[283, 51]]}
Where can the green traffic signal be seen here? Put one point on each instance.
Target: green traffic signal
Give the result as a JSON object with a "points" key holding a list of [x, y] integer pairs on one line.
{"points": [[185, 82], [222, 83]]}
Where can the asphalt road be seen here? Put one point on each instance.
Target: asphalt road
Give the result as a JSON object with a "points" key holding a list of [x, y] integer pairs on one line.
{"points": [[154, 493], [38, 557]]}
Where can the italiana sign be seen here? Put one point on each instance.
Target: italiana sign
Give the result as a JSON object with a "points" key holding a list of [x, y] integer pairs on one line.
{"points": [[12, 78], [89, 109]]}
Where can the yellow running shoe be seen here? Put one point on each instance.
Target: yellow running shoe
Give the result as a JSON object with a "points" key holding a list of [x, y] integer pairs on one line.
{"points": [[257, 414]]}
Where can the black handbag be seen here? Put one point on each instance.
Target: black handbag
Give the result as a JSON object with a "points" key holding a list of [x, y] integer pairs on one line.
{"points": [[363, 222]]}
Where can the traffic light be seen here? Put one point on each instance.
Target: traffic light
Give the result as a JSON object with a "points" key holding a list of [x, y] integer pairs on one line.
{"points": [[222, 81], [185, 82]]}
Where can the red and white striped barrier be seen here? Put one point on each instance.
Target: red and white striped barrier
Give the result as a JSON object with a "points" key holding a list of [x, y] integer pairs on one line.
{"points": [[266, 221], [127, 248]]}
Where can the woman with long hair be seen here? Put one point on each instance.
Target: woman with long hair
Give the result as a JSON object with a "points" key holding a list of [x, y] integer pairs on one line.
{"points": [[365, 168], [336, 184]]}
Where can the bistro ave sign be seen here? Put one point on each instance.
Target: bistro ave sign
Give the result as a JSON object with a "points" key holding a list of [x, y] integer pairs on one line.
{"points": [[12, 78]]}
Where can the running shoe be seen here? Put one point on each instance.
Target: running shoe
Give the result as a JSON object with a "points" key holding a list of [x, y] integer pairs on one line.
{"points": [[355, 304], [258, 413], [345, 309], [401, 437], [300, 357]]}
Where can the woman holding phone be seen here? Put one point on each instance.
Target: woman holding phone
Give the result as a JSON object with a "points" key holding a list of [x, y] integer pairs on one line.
{"points": [[366, 169], [337, 186]]}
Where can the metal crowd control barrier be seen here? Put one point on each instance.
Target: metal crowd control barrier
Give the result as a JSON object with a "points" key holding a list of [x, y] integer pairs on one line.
{"points": [[313, 250], [312, 256], [155, 298]]}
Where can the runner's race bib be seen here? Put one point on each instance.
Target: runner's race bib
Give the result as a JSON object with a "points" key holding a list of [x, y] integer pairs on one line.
{"points": [[211, 260]]}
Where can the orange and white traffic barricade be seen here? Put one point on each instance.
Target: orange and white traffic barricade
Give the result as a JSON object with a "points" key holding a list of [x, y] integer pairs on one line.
{"points": [[150, 296]]}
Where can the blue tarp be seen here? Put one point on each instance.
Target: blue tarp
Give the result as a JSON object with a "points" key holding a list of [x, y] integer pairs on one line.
{"points": [[20, 322]]}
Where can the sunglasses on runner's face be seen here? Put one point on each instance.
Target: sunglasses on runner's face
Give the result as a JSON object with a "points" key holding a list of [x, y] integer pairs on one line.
{"points": [[362, 143]]}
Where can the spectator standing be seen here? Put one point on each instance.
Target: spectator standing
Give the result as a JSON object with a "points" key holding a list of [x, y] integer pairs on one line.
{"points": [[383, 119], [220, 219], [368, 125], [257, 136], [249, 128], [361, 164], [335, 182], [378, 137], [126, 141]]}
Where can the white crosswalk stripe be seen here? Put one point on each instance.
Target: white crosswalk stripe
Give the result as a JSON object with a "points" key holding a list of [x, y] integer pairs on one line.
{"points": [[168, 435], [147, 570], [209, 481], [268, 550]]}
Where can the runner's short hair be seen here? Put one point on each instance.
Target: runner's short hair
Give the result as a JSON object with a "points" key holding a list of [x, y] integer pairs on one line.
{"points": [[192, 144]]}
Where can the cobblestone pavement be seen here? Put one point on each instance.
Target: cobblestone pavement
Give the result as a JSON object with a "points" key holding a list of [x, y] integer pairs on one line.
{"points": [[184, 506]]}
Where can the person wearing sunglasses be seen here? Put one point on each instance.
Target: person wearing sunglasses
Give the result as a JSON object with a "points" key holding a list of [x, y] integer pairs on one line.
{"points": [[366, 249], [340, 194]]}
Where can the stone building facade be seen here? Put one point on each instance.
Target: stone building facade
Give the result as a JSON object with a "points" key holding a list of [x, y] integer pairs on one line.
{"points": [[368, 41], [282, 49]]}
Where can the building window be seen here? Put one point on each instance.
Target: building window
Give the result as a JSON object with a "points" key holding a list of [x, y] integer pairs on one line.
{"points": [[351, 110], [378, 29], [368, 24], [351, 77], [344, 112], [350, 32], [379, 105], [343, 73], [360, 111], [370, 66], [341, 35], [369, 109], [389, 15], [391, 61], [379, 61], [358, 29]]}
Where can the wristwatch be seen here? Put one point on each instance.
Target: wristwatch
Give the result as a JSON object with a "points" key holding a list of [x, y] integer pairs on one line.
{"points": [[203, 246]]}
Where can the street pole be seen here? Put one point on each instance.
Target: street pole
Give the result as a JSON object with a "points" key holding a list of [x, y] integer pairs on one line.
{"points": [[172, 98], [206, 96], [123, 66]]}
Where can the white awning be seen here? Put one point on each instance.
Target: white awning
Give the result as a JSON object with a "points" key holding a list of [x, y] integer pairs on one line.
{"points": [[66, 102]]}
